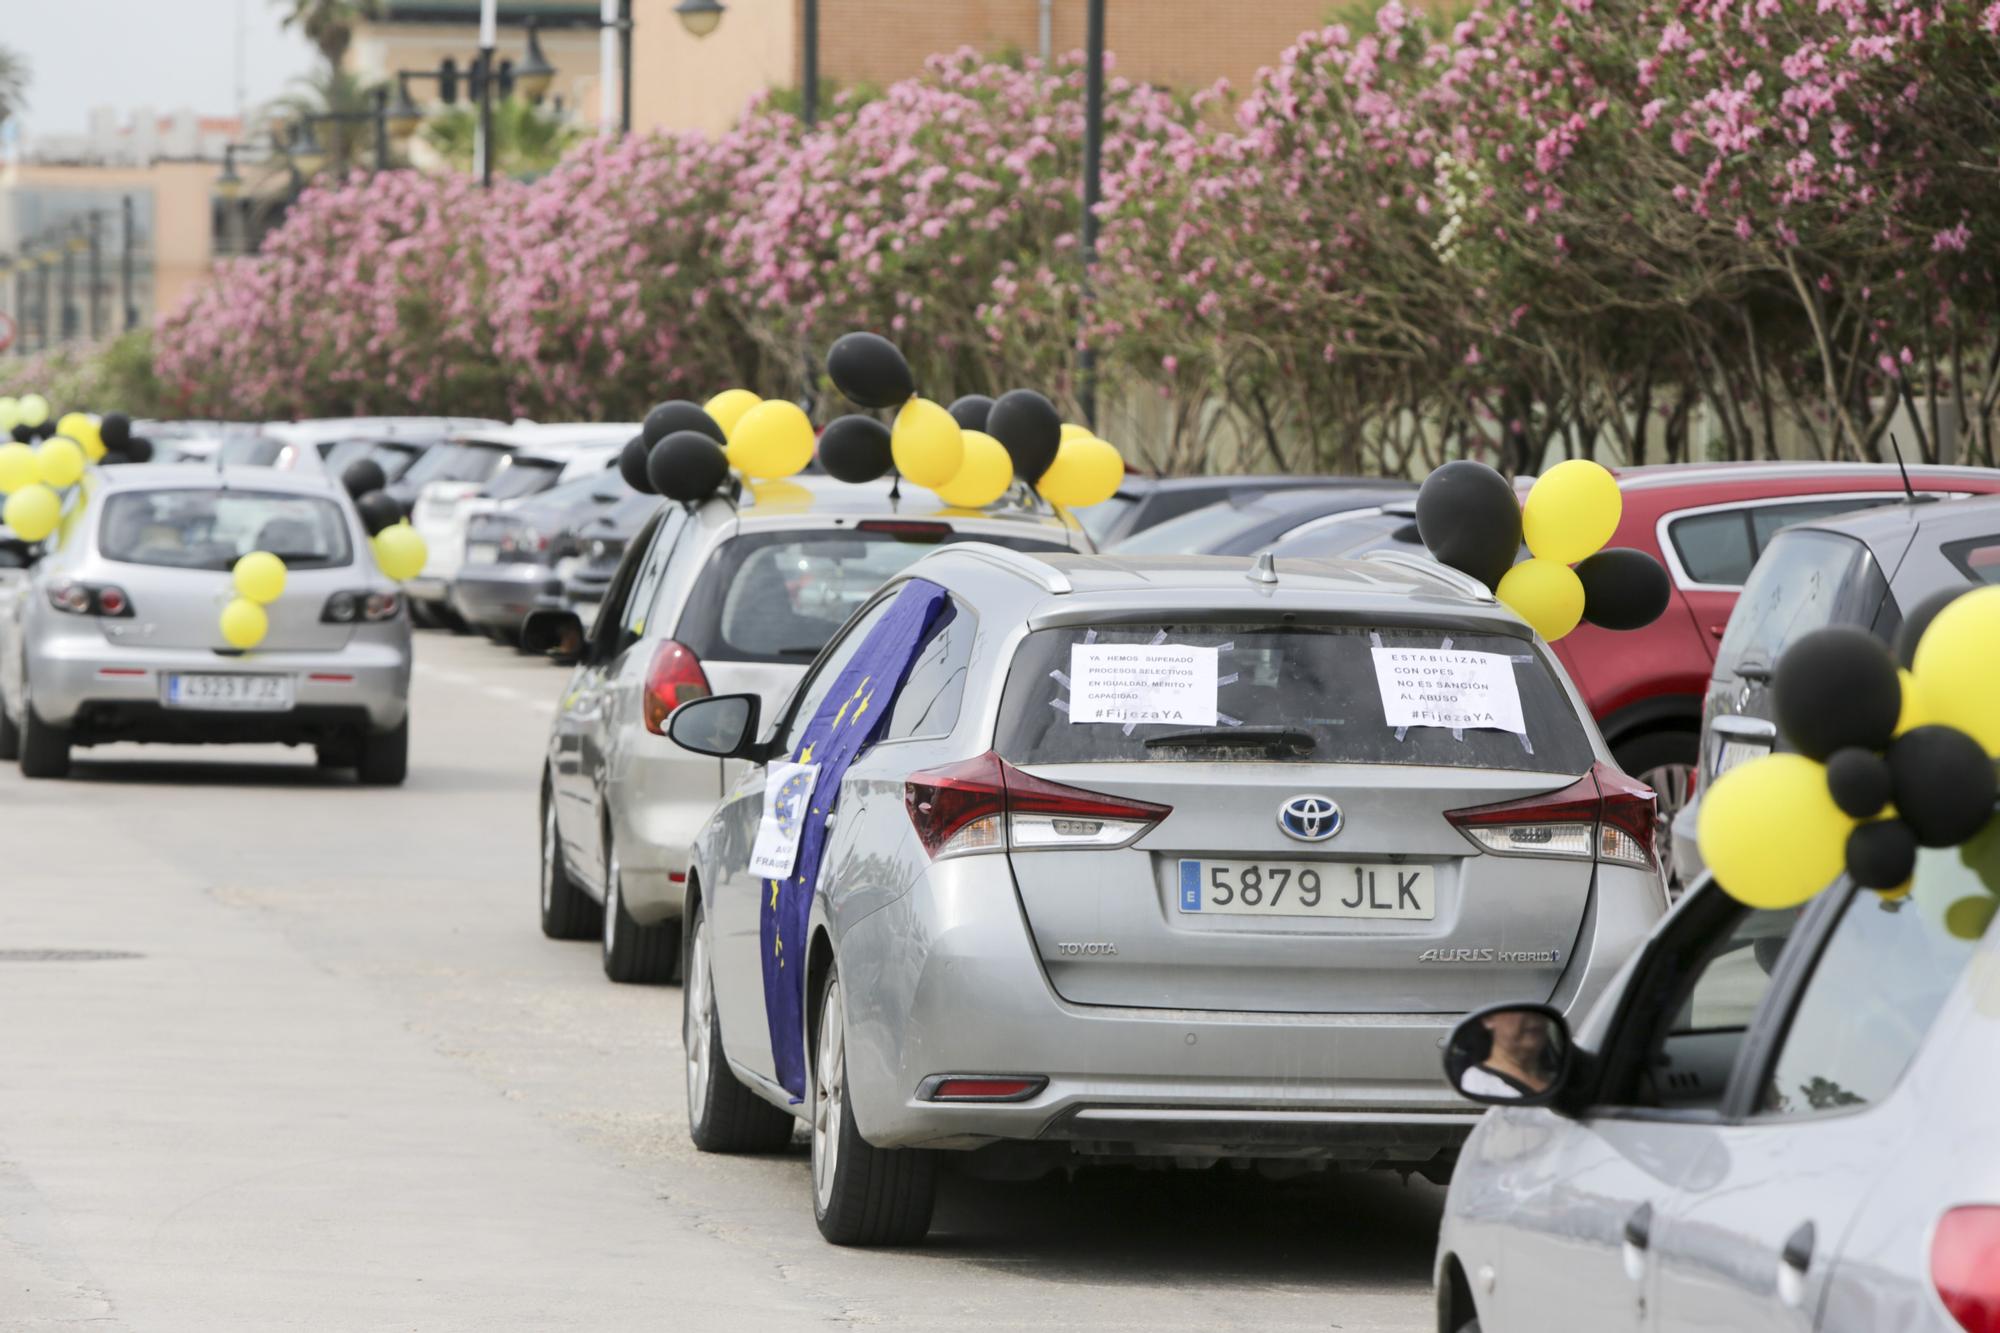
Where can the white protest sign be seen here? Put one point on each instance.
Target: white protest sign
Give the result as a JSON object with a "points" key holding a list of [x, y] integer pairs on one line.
{"points": [[1140, 683], [1443, 687], [788, 790]]}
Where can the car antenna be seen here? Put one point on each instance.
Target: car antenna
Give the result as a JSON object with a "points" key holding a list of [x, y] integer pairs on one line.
{"points": [[1909, 491]]}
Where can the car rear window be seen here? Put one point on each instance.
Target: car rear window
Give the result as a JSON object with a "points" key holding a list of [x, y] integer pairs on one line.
{"points": [[523, 476], [1721, 547], [204, 529], [1312, 690], [779, 596], [1978, 558], [393, 459], [456, 461], [1807, 580], [1192, 533]]}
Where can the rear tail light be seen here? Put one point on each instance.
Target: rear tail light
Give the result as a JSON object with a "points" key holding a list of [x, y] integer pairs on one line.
{"points": [[1602, 816], [344, 608], [1965, 1266], [988, 805], [86, 599], [906, 530], [674, 677]]}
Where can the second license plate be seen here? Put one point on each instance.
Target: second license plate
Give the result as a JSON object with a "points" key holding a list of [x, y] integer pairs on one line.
{"points": [[229, 693], [481, 553], [1309, 888]]}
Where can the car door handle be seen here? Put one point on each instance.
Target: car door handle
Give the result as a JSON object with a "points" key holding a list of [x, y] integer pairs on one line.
{"points": [[1638, 1236], [1793, 1261]]}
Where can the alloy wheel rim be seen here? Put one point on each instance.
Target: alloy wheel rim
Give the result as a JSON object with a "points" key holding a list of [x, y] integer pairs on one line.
{"points": [[611, 900], [829, 1082], [695, 1025], [1672, 783], [548, 857]]}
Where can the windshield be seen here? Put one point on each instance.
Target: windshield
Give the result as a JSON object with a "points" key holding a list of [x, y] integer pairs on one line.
{"points": [[393, 459], [779, 596], [523, 476], [200, 529], [456, 461], [1100, 518], [251, 450], [1354, 535], [1291, 694], [1191, 534]]}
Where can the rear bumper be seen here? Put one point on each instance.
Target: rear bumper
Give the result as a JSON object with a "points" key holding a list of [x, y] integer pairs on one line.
{"points": [[364, 685], [501, 596]]}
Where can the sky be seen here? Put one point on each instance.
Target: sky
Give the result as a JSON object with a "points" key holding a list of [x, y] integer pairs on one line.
{"points": [[163, 54]]}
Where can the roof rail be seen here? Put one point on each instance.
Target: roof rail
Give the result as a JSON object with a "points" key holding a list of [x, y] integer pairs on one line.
{"points": [[1045, 576], [1456, 579]]}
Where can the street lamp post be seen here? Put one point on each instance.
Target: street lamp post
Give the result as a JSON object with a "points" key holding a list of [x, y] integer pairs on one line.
{"points": [[125, 265], [1093, 156], [90, 291], [483, 79]]}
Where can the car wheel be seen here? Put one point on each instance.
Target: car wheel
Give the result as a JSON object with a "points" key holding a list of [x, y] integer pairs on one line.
{"points": [[862, 1195], [1664, 761], [10, 735], [422, 616], [567, 911], [385, 757], [632, 952], [44, 749], [723, 1115]]}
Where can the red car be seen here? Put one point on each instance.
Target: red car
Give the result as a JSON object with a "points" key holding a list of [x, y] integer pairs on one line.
{"points": [[1706, 523]]}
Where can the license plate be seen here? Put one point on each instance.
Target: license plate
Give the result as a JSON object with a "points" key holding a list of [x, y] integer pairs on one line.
{"points": [[481, 553], [1309, 888], [229, 693], [1733, 753], [568, 565]]}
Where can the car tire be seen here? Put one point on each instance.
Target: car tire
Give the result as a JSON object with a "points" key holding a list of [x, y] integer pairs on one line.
{"points": [[44, 749], [634, 954], [862, 1195], [1666, 762], [422, 616], [10, 735], [384, 760], [723, 1115], [568, 913]]}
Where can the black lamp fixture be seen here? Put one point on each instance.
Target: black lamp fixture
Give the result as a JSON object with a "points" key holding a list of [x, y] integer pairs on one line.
{"points": [[405, 116], [534, 75], [699, 17]]}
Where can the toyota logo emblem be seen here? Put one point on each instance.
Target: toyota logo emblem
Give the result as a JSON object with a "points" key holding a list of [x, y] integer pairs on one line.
{"points": [[1309, 818]]}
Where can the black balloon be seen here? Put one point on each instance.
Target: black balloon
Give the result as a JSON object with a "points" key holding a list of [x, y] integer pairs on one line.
{"points": [[677, 415], [1835, 688], [1881, 855], [362, 476], [139, 449], [1623, 588], [632, 465], [1919, 619], [870, 371], [1029, 428], [1859, 781], [855, 449], [1469, 519], [1944, 784], [971, 412], [687, 466], [378, 510], [116, 431], [23, 434]]}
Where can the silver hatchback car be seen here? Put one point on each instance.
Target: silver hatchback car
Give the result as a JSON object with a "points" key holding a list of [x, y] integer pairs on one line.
{"points": [[112, 634], [1776, 1120], [1242, 934], [735, 595]]}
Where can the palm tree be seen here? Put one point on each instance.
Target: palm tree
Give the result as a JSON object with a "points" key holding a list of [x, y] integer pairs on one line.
{"points": [[527, 140], [329, 24], [13, 83]]}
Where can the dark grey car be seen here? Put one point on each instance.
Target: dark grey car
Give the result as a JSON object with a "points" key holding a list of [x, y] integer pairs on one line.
{"points": [[518, 559], [1865, 568], [1247, 522], [1144, 502]]}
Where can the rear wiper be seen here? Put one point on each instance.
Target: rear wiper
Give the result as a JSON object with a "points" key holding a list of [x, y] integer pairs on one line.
{"points": [[1298, 742], [806, 651]]}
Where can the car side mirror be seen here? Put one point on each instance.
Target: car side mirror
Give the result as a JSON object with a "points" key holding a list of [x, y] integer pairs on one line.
{"points": [[556, 635], [1510, 1055], [724, 725]]}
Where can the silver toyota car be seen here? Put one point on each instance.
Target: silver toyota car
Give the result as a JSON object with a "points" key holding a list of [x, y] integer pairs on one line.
{"points": [[1777, 1120], [735, 595], [1241, 932], [113, 635]]}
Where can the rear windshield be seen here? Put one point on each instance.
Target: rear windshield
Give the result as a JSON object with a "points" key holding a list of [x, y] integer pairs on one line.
{"points": [[196, 529], [1807, 580], [456, 462], [523, 476], [1190, 534], [779, 596], [251, 450], [393, 459], [1289, 694]]}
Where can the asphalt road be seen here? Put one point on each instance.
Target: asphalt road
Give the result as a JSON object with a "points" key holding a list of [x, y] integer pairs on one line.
{"points": [[311, 1064]]}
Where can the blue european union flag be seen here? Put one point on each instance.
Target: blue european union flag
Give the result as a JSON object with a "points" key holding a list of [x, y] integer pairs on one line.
{"points": [[849, 719], [1190, 886]]}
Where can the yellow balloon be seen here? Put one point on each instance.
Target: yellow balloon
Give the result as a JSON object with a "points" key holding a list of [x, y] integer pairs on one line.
{"points": [[260, 576], [400, 551], [18, 467], [244, 623], [728, 408], [1571, 511], [1546, 594], [34, 409], [82, 427], [984, 475], [926, 443], [1072, 431], [10, 412], [776, 496], [60, 461], [773, 439], [1968, 918], [1913, 714], [1771, 833], [1954, 667], [1086, 471], [32, 512]]}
